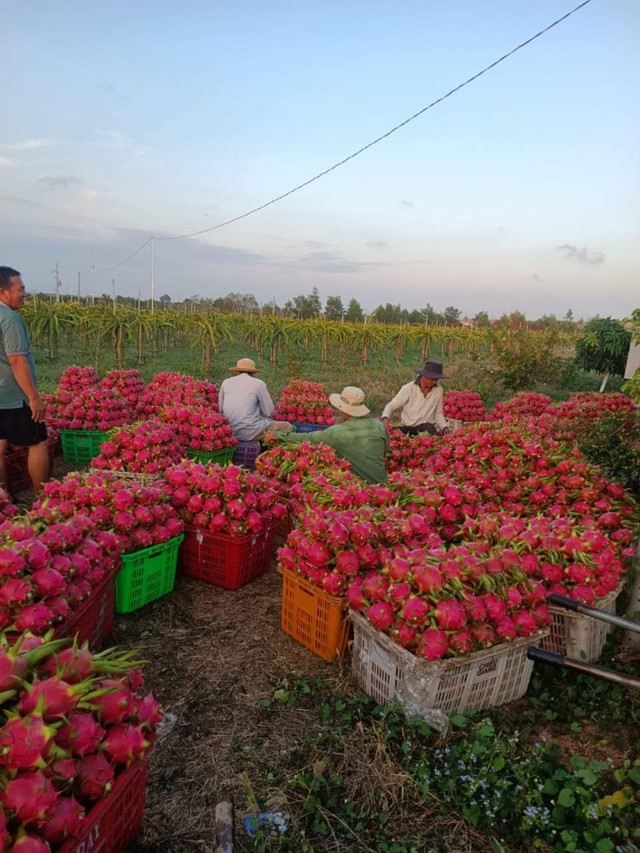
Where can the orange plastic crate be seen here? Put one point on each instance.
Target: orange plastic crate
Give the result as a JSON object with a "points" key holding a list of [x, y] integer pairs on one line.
{"points": [[226, 561], [112, 823], [312, 617]]}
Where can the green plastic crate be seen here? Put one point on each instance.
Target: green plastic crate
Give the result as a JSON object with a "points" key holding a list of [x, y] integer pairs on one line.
{"points": [[80, 446], [220, 457], [146, 575]]}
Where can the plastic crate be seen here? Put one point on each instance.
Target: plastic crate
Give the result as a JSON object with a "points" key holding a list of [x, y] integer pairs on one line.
{"points": [[314, 618], [578, 636], [226, 561], [131, 476], [18, 479], [147, 575], [454, 423], [298, 427], [246, 453], [219, 457], [435, 690], [80, 446], [113, 822], [92, 621]]}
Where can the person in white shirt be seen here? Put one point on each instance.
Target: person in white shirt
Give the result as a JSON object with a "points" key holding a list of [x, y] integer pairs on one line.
{"points": [[420, 403], [246, 403]]}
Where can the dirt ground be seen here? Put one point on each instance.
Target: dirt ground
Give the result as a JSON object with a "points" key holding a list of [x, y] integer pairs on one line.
{"points": [[213, 656]]}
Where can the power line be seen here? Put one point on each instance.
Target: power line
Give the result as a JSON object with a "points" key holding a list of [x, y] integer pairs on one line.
{"points": [[368, 145], [132, 255]]}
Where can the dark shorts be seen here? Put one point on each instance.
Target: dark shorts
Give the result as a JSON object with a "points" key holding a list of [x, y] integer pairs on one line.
{"points": [[431, 429], [18, 427]]}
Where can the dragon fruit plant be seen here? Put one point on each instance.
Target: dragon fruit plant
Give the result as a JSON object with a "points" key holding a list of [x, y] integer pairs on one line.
{"points": [[73, 722], [217, 499]]}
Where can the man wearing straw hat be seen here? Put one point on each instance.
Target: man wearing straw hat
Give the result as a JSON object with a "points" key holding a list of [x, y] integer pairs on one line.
{"points": [[359, 439], [246, 403], [420, 402]]}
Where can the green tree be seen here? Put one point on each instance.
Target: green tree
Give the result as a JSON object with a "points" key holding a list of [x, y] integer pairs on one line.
{"points": [[603, 348], [481, 320], [452, 316], [334, 309], [354, 313]]}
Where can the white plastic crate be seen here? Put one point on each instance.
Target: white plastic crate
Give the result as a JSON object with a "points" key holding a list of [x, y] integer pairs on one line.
{"points": [[454, 423], [435, 690], [577, 636]]}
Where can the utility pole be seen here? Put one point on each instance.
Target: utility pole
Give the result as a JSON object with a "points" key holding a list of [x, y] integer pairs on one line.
{"points": [[153, 277], [78, 287], [138, 302], [113, 285], [55, 272]]}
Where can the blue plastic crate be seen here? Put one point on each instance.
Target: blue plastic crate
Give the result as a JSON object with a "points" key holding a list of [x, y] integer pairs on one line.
{"points": [[246, 453], [310, 427]]}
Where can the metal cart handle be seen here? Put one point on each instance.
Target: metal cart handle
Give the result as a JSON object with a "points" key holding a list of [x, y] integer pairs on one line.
{"points": [[556, 659], [595, 612]]}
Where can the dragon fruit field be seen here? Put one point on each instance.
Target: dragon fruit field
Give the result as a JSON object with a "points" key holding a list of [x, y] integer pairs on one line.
{"points": [[210, 646]]}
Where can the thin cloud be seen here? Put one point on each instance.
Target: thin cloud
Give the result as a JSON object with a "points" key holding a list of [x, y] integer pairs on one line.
{"points": [[327, 262], [406, 204], [375, 244], [584, 255], [4, 161], [60, 182], [29, 144]]}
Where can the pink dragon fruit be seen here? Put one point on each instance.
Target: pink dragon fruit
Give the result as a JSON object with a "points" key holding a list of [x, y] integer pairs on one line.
{"points": [[416, 611], [23, 741], [125, 743], [381, 615], [65, 821], [83, 734], [94, 777], [433, 644], [450, 614], [30, 797]]}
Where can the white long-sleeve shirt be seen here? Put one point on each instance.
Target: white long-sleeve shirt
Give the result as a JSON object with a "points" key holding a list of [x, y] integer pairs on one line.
{"points": [[416, 408], [246, 403]]}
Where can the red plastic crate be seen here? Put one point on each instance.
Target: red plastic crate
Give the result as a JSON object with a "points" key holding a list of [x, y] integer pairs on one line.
{"points": [[18, 479], [226, 561], [93, 619], [112, 824]]}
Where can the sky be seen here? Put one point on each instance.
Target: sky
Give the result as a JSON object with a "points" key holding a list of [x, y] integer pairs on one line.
{"points": [[520, 192]]}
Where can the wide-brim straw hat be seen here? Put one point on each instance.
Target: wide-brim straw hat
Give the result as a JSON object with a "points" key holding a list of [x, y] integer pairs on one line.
{"points": [[244, 365], [432, 370], [350, 402]]}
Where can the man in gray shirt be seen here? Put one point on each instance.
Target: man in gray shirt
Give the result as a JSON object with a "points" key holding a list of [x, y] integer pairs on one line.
{"points": [[21, 407], [246, 403]]}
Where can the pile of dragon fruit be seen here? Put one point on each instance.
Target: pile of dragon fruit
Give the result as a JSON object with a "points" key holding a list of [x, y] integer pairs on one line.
{"points": [[147, 447], [499, 513], [48, 569], [304, 402], [464, 406], [137, 515], [128, 383], [73, 722], [169, 389], [228, 500], [90, 408], [199, 428]]}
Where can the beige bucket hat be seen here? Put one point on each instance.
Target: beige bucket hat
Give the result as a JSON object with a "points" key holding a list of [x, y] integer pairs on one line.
{"points": [[244, 365], [350, 402]]}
